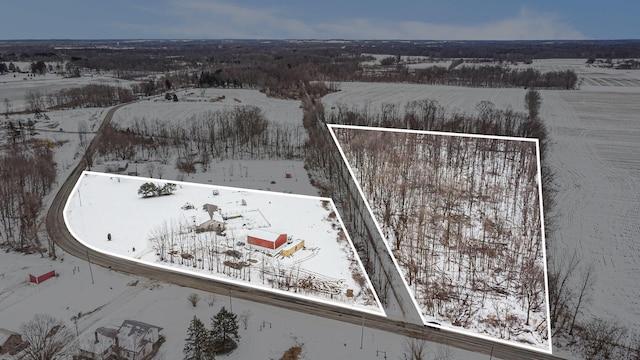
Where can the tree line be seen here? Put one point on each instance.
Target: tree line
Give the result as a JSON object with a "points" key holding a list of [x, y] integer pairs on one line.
{"points": [[239, 133], [92, 95], [27, 172]]}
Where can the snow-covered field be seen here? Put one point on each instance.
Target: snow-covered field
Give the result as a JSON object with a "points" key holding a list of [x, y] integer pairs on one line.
{"points": [[14, 87], [595, 156], [194, 102], [103, 204]]}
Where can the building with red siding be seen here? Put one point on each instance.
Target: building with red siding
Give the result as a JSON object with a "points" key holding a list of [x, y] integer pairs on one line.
{"points": [[266, 239]]}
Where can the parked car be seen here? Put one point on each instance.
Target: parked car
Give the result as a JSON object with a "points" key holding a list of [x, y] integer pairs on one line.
{"points": [[434, 325]]}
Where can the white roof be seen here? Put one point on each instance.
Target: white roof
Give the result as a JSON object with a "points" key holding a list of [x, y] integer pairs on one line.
{"points": [[263, 234]]}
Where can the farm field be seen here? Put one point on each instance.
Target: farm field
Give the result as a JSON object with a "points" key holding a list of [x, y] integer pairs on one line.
{"points": [[593, 153], [164, 231], [194, 102], [195, 113], [15, 88]]}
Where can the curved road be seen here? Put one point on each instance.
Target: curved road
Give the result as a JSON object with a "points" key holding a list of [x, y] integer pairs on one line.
{"points": [[58, 231]]}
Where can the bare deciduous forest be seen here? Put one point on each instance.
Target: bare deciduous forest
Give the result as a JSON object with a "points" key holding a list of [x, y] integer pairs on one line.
{"points": [[461, 216]]}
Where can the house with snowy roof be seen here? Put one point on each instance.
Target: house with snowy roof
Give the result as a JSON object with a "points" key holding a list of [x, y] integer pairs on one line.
{"points": [[10, 342], [133, 340]]}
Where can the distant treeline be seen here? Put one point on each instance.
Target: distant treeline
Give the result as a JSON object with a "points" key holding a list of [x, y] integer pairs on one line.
{"points": [[279, 67], [92, 95], [496, 76]]}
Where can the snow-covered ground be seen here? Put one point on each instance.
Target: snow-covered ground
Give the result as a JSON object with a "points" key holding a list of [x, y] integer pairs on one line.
{"points": [[419, 199], [115, 297], [103, 204], [594, 155], [193, 102], [14, 86]]}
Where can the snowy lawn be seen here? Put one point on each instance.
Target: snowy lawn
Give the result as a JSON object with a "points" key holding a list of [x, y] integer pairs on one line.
{"points": [[324, 270]]}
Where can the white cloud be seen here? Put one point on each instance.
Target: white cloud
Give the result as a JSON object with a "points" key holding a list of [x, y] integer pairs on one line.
{"points": [[528, 25], [217, 19]]}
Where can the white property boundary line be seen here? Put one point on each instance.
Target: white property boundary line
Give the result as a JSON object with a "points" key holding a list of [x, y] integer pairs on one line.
{"points": [[221, 279], [395, 262]]}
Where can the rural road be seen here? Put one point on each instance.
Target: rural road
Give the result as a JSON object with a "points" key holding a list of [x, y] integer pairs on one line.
{"points": [[58, 231]]}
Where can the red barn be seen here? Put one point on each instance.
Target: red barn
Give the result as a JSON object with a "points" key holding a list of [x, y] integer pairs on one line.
{"points": [[266, 239]]}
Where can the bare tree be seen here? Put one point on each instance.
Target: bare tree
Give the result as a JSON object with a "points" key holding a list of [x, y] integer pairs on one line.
{"points": [[7, 107], [444, 353], [244, 318], [193, 299], [415, 349], [150, 168], [82, 133], [601, 339], [212, 300], [47, 337], [532, 101], [87, 156], [588, 280], [35, 100]]}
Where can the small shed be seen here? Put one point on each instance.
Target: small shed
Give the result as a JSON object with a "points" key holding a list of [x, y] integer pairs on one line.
{"points": [[39, 275], [289, 249], [266, 239]]}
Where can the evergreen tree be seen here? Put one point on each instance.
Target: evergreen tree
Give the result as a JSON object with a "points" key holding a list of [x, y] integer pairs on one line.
{"points": [[198, 343], [147, 189], [224, 331]]}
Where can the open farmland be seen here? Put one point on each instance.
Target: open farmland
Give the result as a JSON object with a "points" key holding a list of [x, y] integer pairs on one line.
{"points": [[209, 128], [193, 102], [595, 159], [15, 89]]}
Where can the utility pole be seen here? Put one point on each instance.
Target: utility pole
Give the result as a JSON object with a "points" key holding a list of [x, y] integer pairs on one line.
{"points": [[362, 332], [75, 321], [90, 271]]}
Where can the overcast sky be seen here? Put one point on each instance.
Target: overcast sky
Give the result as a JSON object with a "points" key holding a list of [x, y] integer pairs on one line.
{"points": [[320, 19]]}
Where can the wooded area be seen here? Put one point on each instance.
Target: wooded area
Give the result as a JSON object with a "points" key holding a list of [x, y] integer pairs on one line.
{"points": [[462, 217]]}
